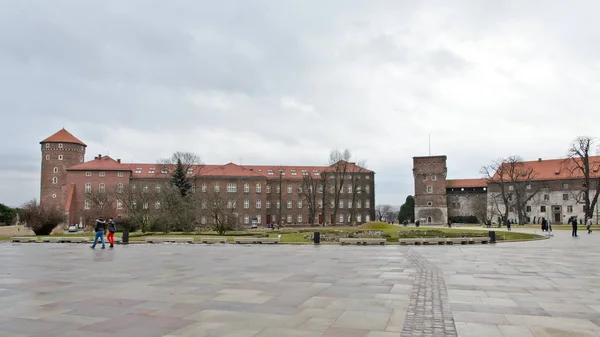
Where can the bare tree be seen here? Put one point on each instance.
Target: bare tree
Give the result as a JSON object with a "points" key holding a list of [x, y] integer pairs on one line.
{"points": [[42, 219], [324, 191], [98, 203], [279, 191], [191, 163], [135, 202], [339, 162], [309, 194], [355, 188], [382, 211], [514, 180], [480, 208], [220, 210], [581, 165]]}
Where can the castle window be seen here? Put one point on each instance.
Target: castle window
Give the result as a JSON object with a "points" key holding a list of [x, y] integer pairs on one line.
{"points": [[429, 189], [204, 187], [217, 187], [102, 174], [54, 180], [528, 209], [53, 196], [367, 218], [367, 177], [203, 220], [60, 157], [138, 170], [358, 218], [88, 174], [424, 177], [293, 172], [543, 209], [258, 188], [368, 204], [190, 171], [81, 159], [300, 218], [87, 204], [429, 203], [88, 188], [258, 219], [60, 146], [546, 197], [258, 203], [47, 157], [164, 170], [120, 174], [119, 204], [246, 203], [428, 219], [246, 219], [56, 170], [289, 219], [151, 171], [299, 203], [566, 186], [511, 187], [289, 188], [270, 172], [289, 204], [315, 172], [434, 177], [102, 188], [268, 204], [569, 209], [47, 145], [231, 188], [119, 187], [341, 218], [565, 196], [246, 188]]}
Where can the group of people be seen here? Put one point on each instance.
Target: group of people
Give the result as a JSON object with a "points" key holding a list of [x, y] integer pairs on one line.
{"points": [[546, 225], [100, 228], [573, 222]]}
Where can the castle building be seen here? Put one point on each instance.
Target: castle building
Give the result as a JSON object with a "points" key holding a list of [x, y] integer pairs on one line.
{"points": [[265, 194], [555, 191]]}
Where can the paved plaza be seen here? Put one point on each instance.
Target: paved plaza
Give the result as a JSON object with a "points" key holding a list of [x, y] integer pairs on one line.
{"points": [[543, 288]]}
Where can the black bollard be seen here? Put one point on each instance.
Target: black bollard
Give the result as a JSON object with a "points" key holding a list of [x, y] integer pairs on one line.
{"points": [[492, 236], [317, 238], [125, 237]]}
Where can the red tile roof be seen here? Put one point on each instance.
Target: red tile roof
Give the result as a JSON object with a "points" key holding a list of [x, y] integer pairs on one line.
{"points": [[230, 170], [558, 169], [466, 183], [103, 163], [63, 136]]}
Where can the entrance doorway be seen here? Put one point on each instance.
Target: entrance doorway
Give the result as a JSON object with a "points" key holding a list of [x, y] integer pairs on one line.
{"points": [[557, 214]]}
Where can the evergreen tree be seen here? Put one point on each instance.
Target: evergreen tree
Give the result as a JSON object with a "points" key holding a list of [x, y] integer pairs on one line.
{"points": [[407, 211], [7, 215], [180, 180]]}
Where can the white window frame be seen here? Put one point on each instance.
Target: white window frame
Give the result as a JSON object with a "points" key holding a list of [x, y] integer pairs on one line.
{"points": [[47, 145], [289, 218], [258, 187], [268, 204], [299, 218], [102, 188], [293, 172], [55, 180], [259, 219], [367, 204], [358, 218], [157, 205], [231, 188], [270, 172], [321, 203], [102, 174], [120, 187], [55, 170], [60, 145], [341, 204], [349, 188], [341, 218], [300, 188], [86, 204], [367, 218], [138, 170], [278, 204], [53, 196], [246, 219], [246, 203], [60, 157], [203, 220], [217, 187], [204, 187], [88, 187], [434, 177], [258, 203], [289, 204], [120, 174], [246, 188], [367, 189], [430, 189], [349, 203], [358, 204], [290, 188], [47, 157], [190, 171], [299, 204], [269, 189], [88, 174]]}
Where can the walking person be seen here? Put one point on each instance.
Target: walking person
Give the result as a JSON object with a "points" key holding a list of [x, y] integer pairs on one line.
{"points": [[112, 228], [574, 226], [99, 229], [588, 225], [508, 225]]}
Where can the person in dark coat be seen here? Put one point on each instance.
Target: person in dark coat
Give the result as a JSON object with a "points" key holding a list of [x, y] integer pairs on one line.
{"points": [[574, 226], [508, 225]]}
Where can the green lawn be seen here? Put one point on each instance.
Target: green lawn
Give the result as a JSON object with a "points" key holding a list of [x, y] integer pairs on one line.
{"points": [[296, 235]]}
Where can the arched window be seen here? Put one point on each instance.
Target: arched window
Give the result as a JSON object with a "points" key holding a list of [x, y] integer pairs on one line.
{"points": [[428, 219], [54, 180], [56, 170]]}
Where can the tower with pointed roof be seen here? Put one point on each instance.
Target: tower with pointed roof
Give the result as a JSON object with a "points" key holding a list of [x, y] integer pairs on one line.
{"points": [[59, 152]]}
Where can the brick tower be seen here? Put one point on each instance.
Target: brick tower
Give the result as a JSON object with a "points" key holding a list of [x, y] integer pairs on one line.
{"points": [[430, 189], [59, 151]]}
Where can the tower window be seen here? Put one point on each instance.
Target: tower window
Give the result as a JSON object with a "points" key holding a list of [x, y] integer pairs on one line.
{"points": [[429, 189], [47, 145], [60, 145], [434, 177], [47, 157], [60, 157], [53, 196], [88, 174], [56, 170], [429, 203], [54, 180], [424, 177], [81, 159]]}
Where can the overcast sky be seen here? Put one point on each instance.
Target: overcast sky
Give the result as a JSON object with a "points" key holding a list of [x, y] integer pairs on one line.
{"points": [[286, 81]]}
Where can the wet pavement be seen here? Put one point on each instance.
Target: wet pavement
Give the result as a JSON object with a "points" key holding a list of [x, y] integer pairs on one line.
{"points": [[543, 288]]}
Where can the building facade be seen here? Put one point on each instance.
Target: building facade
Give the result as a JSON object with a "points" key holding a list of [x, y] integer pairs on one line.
{"points": [[553, 192], [266, 194]]}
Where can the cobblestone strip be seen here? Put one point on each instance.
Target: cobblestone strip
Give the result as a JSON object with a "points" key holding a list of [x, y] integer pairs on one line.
{"points": [[429, 313]]}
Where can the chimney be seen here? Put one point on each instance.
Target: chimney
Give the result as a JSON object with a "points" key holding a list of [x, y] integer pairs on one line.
{"points": [[539, 159], [100, 156], [119, 161]]}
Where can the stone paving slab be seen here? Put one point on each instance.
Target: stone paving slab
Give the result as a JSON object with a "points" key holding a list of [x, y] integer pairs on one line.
{"points": [[542, 288]]}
